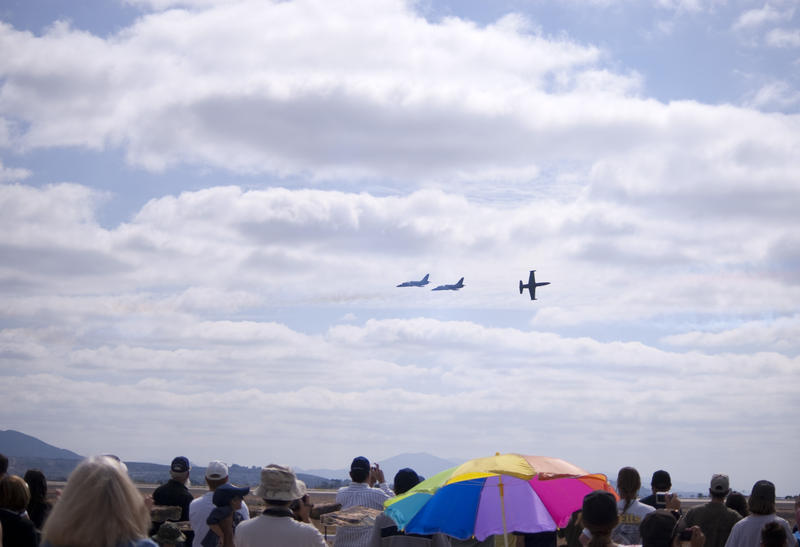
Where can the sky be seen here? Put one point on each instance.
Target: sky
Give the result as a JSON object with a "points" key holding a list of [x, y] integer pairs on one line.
{"points": [[206, 207]]}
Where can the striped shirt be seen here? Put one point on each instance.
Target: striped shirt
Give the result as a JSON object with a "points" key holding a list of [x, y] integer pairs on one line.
{"points": [[359, 494]]}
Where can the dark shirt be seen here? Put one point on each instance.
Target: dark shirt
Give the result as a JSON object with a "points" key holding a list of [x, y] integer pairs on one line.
{"points": [[38, 511], [714, 519], [17, 531], [174, 493]]}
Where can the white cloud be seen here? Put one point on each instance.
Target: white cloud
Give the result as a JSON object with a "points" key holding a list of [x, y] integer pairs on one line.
{"points": [[782, 334], [779, 95], [759, 17], [12, 174], [780, 37]]}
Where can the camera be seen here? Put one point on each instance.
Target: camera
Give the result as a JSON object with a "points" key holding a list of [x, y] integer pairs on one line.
{"points": [[661, 497]]}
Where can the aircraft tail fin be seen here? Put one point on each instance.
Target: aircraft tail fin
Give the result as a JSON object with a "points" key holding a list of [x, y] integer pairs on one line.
{"points": [[425, 279], [460, 282]]}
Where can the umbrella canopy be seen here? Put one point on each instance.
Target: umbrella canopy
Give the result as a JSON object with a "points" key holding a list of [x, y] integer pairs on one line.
{"points": [[496, 495]]}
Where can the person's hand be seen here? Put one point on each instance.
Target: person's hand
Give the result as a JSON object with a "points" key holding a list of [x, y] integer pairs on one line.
{"points": [[148, 501], [673, 502], [584, 539], [698, 537], [378, 473]]}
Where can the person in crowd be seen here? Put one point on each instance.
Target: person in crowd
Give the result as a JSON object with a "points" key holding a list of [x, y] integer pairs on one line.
{"points": [[360, 492], [713, 518], [3, 465], [169, 535], [747, 532], [301, 509], [100, 507], [658, 530], [738, 502], [795, 530], [175, 492], [277, 527], [200, 508], [225, 516], [631, 511], [38, 506], [385, 532], [600, 517], [18, 530], [773, 535], [661, 497]]}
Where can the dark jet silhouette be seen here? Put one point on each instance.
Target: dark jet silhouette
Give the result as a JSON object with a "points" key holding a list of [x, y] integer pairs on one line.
{"points": [[421, 283], [453, 287], [532, 284]]}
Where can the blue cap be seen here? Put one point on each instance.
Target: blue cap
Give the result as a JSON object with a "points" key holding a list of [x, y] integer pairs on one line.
{"points": [[360, 463], [226, 492]]}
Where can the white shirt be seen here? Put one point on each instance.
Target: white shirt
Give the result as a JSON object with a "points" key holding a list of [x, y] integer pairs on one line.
{"points": [[199, 510], [271, 531], [359, 494], [747, 532], [627, 531]]}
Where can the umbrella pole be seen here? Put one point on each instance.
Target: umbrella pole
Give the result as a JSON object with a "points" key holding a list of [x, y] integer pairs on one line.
{"points": [[503, 510]]}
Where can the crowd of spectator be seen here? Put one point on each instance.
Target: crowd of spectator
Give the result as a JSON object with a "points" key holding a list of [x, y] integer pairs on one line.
{"points": [[101, 507]]}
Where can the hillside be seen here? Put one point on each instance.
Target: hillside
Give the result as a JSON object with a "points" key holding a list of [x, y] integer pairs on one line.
{"points": [[16, 444]]}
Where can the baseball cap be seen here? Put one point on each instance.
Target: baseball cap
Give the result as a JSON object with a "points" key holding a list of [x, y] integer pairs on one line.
{"points": [[216, 470], [360, 463], [225, 493], [405, 480], [180, 464], [719, 484]]}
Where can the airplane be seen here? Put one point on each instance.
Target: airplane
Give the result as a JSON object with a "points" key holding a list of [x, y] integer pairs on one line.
{"points": [[421, 283], [532, 284], [453, 287]]}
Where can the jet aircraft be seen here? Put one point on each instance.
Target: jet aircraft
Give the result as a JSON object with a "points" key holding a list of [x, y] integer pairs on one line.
{"points": [[421, 283], [453, 287], [532, 284]]}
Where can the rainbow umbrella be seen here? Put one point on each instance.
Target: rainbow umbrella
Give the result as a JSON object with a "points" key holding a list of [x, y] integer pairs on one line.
{"points": [[495, 495]]}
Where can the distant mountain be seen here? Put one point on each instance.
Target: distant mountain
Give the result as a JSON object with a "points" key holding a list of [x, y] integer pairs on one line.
{"points": [[424, 464], [19, 445]]}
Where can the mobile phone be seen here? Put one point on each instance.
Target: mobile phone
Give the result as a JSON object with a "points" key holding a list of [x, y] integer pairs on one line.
{"points": [[661, 497], [686, 534]]}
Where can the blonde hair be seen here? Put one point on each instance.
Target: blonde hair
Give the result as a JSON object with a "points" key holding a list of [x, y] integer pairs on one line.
{"points": [[14, 493], [100, 507]]}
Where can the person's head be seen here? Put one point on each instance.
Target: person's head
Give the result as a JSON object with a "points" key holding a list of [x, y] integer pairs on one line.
{"points": [[599, 516], [168, 535], [738, 503], [279, 486], [661, 481], [14, 493], [216, 474], [405, 480], [797, 510], [3, 465], [656, 528], [179, 469], [762, 498], [229, 495], [773, 535], [628, 483], [359, 469], [100, 506], [719, 487]]}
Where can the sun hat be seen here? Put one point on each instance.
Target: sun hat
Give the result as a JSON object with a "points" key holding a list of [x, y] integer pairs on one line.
{"points": [[168, 533], [360, 463], [225, 493], [180, 465], [599, 508], [216, 470], [279, 483], [720, 484]]}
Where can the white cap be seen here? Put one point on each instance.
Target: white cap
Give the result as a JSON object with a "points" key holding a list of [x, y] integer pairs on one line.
{"points": [[216, 470]]}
